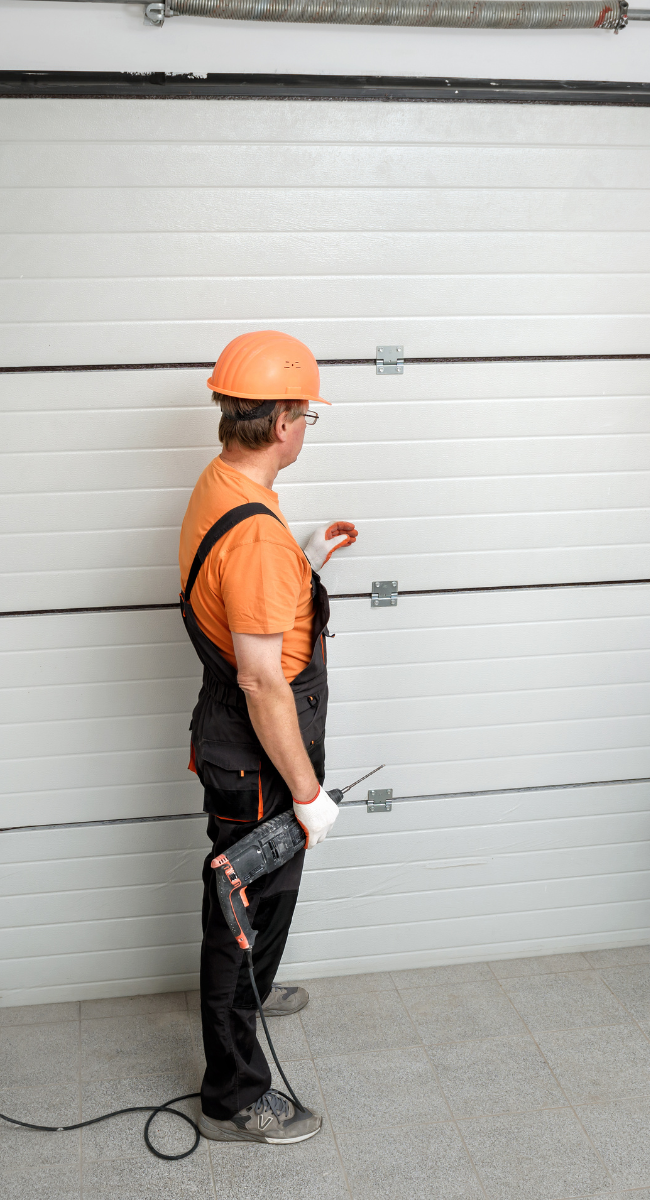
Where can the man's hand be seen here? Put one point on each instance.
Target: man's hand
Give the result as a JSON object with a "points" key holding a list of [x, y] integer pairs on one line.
{"points": [[272, 710], [324, 541]]}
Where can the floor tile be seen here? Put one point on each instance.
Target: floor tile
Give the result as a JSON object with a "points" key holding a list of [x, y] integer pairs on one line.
{"points": [[342, 1024], [535, 1156], [193, 1001], [114, 1047], [133, 1006], [621, 1132], [153, 1179], [308, 1171], [343, 985], [632, 986], [569, 1001], [503, 1075], [467, 1010], [38, 1055], [53, 1105], [122, 1137], [420, 1163], [594, 1065], [547, 964], [626, 956], [439, 976], [394, 1087], [42, 1183], [39, 1014]]}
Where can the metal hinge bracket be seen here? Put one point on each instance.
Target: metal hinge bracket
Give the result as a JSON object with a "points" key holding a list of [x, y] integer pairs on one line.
{"points": [[384, 593], [390, 360], [380, 800]]}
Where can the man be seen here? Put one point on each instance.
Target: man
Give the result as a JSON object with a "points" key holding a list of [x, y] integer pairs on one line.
{"points": [[257, 615]]}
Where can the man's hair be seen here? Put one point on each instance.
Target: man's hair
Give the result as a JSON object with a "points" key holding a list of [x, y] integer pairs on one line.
{"points": [[253, 434]]}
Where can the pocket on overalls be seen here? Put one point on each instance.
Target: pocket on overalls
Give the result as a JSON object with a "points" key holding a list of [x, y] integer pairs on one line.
{"points": [[316, 751], [232, 772]]}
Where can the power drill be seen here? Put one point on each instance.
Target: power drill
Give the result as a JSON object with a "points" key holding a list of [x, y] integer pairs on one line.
{"points": [[269, 846]]}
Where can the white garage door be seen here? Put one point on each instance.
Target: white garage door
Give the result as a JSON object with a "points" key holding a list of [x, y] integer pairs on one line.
{"points": [[507, 691]]}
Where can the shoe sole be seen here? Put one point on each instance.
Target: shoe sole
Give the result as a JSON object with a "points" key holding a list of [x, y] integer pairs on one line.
{"points": [[224, 1135]]}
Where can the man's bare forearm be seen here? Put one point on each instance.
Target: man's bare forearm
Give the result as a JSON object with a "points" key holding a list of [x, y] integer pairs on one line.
{"points": [[272, 710]]}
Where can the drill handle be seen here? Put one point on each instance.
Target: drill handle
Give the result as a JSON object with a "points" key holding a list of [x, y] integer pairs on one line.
{"points": [[234, 902]]}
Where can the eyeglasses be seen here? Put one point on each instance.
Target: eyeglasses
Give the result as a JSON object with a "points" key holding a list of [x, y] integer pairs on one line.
{"points": [[311, 418]]}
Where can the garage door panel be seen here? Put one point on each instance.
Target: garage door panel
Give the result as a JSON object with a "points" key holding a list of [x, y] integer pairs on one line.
{"points": [[608, 669], [195, 120], [137, 698], [378, 910], [371, 420], [187, 164], [161, 727], [474, 869], [470, 459], [403, 209], [279, 298], [545, 659], [389, 540], [347, 952], [55, 344], [166, 255], [100, 897], [177, 928], [149, 509], [516, 841], [83, 976]]}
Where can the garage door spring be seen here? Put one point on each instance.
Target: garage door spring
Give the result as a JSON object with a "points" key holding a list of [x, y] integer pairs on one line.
{"points": [[459, 14]]}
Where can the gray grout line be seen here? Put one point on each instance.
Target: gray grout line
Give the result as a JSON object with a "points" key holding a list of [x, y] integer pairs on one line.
{"points": [[455, 1122], [322, 1095], [569, 1104], [621, 1002], [80, 1131]]}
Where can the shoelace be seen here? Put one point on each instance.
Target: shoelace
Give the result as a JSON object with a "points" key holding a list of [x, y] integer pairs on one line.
{"points": [[273, 1101]]}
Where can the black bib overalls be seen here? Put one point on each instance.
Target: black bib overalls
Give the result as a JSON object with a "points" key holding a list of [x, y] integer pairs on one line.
{"points": [[242, 787]]}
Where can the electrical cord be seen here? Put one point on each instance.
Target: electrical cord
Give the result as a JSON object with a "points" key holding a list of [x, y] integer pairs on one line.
{"points": [[249, 963], [155, 1109]]}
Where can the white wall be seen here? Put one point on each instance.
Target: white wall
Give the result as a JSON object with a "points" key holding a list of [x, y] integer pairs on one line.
{"points": [[40, 35]]}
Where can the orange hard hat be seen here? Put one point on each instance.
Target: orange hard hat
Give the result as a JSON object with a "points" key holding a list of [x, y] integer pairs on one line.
{"points": [[267, 366]]}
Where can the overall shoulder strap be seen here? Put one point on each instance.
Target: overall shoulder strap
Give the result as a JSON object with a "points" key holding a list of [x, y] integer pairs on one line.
{"points": [[225, 523]]}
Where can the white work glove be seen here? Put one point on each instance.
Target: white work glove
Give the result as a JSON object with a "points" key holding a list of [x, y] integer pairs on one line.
{"points": [[326, 540], [316, 817]]}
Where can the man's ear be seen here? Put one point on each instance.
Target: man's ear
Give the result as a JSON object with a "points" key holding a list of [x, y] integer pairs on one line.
{"points": [[281, 426]]}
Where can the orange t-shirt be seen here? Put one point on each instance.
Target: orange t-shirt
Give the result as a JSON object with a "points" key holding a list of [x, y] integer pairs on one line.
{"points": [[256, 579]]}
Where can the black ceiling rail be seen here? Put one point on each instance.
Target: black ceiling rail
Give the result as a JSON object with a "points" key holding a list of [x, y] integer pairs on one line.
{"points": [[378, 88]]}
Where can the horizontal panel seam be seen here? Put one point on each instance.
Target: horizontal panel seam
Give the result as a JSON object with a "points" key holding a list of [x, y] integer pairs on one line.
{"points": [[328, 362], [507, 587], [553, 787]]}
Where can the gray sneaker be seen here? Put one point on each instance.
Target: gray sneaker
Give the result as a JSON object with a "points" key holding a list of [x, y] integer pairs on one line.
{"points": [[282, 1001], [271, 1119]]}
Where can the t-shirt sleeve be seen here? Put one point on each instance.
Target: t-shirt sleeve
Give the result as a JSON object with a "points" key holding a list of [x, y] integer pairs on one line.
{"points": [[260, 586]]}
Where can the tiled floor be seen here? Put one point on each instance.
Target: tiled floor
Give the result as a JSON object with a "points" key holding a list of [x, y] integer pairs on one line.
{"points": [[518, 1080]]}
